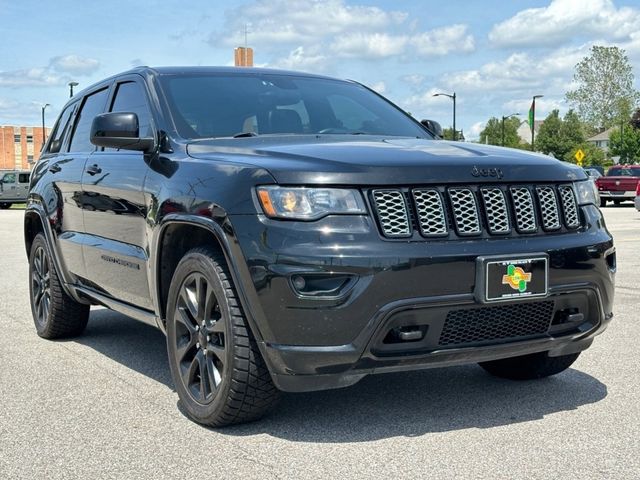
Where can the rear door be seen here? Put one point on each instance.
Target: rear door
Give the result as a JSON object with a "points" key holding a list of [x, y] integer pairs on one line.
{"points": [[116, 255], [23, 186], [66, 168]]}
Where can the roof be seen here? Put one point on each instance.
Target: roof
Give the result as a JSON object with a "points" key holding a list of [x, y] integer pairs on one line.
{"points": [[601, 136], [194, 70]]}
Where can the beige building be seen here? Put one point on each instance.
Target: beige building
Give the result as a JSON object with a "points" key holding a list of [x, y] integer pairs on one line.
{"points": [[20, 146]]}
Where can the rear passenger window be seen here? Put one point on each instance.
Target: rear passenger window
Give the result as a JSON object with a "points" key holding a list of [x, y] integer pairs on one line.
{"points": [[130, 97], [61, 129], [23, 178], [93, 105]]}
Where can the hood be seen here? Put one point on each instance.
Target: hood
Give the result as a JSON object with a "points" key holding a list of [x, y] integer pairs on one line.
{"points": [[367, 160]]}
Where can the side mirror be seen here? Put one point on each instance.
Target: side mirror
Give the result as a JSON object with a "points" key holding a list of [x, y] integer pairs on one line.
{"points": [[434, 127], [119, 130]]}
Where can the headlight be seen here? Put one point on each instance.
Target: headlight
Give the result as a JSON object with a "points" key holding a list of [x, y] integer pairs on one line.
{"points": [[586, 192], [309, 203]]}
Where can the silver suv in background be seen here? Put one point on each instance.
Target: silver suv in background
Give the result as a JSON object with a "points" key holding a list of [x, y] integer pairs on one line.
{"points": [[14, 187]]}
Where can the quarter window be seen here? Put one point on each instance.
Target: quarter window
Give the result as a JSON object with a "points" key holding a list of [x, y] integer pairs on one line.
{"points": [[60, 130], [23, 178], [93, 105]]}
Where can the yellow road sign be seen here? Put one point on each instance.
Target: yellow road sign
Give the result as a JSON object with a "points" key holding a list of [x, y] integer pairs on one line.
{"points": [[579, 156]]}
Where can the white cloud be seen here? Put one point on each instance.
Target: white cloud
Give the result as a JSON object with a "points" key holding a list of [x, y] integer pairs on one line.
{"points": [[474, 131], [56, 73], [31, 77], [563, 20], [300, 21], [299, 59], [414, 79], [379, 87], [75, 64], [444, 40], [344, 31], [369, 45], [521, 71]]}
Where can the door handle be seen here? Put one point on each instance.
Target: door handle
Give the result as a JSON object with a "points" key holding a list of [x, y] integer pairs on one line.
{"points": [[94, 169], [55, 168]]}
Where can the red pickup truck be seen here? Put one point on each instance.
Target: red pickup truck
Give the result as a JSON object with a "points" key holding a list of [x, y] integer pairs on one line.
{"points": [[619, 184]]}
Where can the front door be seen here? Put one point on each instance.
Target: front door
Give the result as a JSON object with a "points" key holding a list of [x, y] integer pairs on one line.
{"points": [[116, 253]]}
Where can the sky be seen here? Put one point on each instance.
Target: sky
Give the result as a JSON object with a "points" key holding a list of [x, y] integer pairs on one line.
{"points": [[495, 55]]}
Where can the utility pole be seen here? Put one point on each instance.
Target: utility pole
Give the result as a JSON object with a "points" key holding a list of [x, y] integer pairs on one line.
{"points": [[503, 119], [43, 128], [71, 85], [452, 97]]}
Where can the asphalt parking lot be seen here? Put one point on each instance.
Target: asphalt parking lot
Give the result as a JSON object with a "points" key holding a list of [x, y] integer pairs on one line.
{"points": [[103, 406]]}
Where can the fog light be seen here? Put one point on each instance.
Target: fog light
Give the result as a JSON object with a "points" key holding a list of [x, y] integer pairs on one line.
{"points": [[299, 283]]}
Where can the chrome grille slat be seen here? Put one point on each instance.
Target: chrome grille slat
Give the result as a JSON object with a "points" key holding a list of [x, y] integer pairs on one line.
{"points": [[392, 213], [548, 208], [430, 210], [496, 210], [523, 209], [569, 207], [465, 211]]}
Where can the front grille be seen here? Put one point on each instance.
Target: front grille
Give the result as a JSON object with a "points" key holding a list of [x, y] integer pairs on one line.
{"points": [[496, 323], [392, 213], [469, 211]]}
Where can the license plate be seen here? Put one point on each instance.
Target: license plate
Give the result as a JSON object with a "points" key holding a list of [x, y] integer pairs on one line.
{"points": [[514, 278]]}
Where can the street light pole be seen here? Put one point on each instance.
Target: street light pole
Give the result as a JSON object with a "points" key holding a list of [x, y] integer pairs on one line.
{"points": [[533, 121], [71, 85], [503, 119], [452, 97], [43, 130]]}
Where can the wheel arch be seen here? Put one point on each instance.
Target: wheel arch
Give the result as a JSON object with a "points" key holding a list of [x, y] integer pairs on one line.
{"points": [[178, 234]]}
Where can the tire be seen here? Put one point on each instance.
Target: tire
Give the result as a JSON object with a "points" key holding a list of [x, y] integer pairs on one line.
{"points": [[617, 202], [55, 314], [603, 203], [218, 371], [5, 206], [529, 367]]}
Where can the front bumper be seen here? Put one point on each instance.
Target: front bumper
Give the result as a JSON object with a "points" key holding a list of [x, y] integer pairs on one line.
{"points": [[314, 343]]}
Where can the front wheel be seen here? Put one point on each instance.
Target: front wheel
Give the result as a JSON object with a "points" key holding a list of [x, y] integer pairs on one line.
{"points": [[529, 367], [217, 369]]}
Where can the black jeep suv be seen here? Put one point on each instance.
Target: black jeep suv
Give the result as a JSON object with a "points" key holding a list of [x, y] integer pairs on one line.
{"points": [[295, 232]]}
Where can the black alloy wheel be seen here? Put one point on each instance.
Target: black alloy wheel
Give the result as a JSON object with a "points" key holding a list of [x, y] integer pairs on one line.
{"points": [[199, 338], [216, 365], [41, 286]]}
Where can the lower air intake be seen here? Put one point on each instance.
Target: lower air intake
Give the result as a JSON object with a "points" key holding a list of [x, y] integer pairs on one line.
{"points": [[496, 324]]}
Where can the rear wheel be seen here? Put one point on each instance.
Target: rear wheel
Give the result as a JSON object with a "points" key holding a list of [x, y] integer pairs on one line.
{"points": [[617, 202], [529, 367], [603, 202], [55, 314], [4, 206], [215, 363]]}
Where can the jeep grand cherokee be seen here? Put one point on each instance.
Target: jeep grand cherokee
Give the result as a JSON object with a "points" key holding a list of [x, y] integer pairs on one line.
{"points": [[293, 232]]}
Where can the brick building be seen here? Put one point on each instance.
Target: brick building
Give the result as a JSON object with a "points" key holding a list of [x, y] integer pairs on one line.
{"points": [[20, 146]]}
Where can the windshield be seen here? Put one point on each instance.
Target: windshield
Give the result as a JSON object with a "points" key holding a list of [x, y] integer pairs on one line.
{"points": [[623, 172], [225, 105]]}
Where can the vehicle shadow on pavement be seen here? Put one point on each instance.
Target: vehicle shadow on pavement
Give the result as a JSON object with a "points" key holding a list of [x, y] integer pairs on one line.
{"points": [[427, 401], [131, 343], [380, 406]]}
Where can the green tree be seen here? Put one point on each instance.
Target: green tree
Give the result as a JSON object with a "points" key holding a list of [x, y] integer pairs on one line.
{"points": [[604, 79], [548, 139], [593, 156], [492, 132], [560, 136], [625, 143]]}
